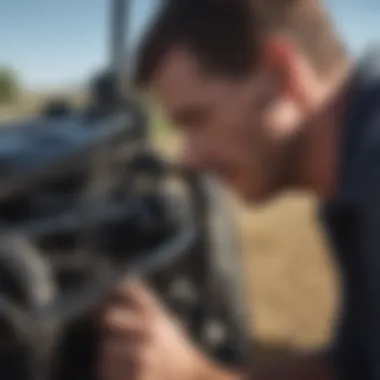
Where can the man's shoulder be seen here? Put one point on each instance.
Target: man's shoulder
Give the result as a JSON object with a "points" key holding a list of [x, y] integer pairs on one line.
{"points": [[368, 101], [361, 156]]}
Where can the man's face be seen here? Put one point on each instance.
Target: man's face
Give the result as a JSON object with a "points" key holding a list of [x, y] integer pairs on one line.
{"points": [[241, 130]]}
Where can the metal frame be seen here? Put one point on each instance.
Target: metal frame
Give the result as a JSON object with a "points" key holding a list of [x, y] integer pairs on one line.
{"points": [[196, 233], [119, 22]]}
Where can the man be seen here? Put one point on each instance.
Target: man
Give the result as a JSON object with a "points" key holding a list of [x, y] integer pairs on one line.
{"points": [[267, 100]]}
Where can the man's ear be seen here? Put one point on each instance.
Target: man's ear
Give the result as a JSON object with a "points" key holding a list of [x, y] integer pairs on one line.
{"points": [[281, 58]]}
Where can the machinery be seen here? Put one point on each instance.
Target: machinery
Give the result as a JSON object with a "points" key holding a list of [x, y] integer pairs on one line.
{"points": [[86, 201]]}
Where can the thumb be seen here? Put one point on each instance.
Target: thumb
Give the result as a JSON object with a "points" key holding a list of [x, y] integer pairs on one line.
{"points": [[139, 296]]}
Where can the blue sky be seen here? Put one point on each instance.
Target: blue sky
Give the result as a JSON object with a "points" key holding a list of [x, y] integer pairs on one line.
{"points": [[58, 42]]}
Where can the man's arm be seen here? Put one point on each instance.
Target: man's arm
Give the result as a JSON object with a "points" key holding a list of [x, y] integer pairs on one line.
{"points": [[311, 366], [140, 336]]}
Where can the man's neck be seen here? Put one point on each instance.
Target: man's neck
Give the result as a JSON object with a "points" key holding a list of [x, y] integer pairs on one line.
{"points": [[318, 158]]}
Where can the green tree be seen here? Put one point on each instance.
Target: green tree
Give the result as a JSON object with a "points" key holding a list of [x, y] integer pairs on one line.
{"points": [[9, 85]]}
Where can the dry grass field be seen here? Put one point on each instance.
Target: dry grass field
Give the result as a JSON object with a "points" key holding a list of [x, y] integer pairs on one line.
{"points": [[290, 280]]}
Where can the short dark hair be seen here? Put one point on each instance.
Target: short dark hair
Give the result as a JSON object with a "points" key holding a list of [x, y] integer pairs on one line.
{"points": [[226, 35]]}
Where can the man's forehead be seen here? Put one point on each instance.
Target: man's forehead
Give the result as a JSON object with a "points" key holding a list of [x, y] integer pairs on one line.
{"points": [[180, 75]]}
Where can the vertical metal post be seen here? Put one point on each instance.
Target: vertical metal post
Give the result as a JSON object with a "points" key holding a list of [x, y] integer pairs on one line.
{"points": [[118, 35]]}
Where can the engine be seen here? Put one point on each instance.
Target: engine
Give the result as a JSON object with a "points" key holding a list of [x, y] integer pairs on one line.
{"points": [[82, 201]]}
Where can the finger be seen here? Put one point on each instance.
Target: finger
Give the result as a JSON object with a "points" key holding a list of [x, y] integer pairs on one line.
{"points": [[122, 320], [117, 365], [115, 349], [138, 296], [115, 300], [119, 359]]}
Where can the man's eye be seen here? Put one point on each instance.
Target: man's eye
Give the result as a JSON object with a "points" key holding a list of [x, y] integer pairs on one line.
{"points": [[191, 118]]}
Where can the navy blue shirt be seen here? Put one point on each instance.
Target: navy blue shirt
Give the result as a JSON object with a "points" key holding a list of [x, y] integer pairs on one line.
{"points": [[352, 222]]}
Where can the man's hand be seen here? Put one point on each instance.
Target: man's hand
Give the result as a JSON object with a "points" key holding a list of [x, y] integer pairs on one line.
{"points": [[142, 342]]}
